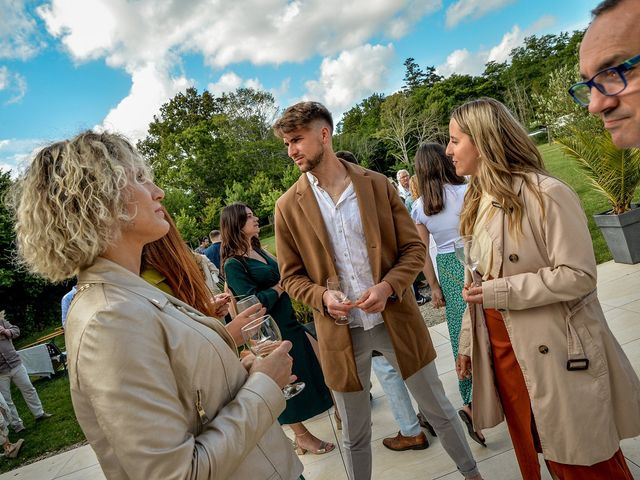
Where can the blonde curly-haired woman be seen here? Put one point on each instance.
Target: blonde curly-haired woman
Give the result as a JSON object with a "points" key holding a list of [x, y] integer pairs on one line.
{"points": [[534, 336], [157, 386]]}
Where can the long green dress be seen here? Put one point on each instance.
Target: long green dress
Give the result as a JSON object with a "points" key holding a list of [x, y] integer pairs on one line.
{"points": [[247, 276]]}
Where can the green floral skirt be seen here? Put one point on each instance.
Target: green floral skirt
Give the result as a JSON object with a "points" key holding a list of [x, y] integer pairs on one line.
{"points": [[451, 276]]}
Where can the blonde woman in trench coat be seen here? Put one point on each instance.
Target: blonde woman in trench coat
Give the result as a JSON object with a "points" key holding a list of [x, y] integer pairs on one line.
{"points": [[534, 336], [157, 386]]}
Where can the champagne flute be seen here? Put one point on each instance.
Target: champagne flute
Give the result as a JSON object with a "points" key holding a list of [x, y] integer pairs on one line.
{"points": [[262, 335], [337, 288], [247, 302], [463, 247]]}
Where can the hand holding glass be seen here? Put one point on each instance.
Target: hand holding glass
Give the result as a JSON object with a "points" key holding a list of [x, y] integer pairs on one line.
{"points": [[463, 248], [262, 335], [337, 289]]}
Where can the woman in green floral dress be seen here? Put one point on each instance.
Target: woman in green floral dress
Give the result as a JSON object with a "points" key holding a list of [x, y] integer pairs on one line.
{"points": [[437, 212]]}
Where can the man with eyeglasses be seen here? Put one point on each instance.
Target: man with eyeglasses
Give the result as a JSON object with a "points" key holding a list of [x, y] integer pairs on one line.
{"points": [[609, 57]]}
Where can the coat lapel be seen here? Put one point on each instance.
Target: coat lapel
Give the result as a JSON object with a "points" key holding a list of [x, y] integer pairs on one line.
{"points": [[309, 206], [367, 205]]}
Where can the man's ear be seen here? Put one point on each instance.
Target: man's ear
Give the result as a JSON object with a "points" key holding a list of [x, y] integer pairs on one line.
{"points": [[326, 134]]}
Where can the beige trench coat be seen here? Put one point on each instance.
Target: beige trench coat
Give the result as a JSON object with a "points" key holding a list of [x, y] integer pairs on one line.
{"points": [[160, 394], [547, 297], [396, 254]]}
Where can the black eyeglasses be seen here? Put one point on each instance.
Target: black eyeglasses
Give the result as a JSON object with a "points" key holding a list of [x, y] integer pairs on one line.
{"points": [[610, 81]]}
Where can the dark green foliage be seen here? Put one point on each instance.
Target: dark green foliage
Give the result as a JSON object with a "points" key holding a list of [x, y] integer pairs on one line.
{"points": [[31, 303]]}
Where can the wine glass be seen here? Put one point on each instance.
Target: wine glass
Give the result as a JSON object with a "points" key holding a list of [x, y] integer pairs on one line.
{"points": [[463, 247], [247, 302], [337, 288], [262, 335]]}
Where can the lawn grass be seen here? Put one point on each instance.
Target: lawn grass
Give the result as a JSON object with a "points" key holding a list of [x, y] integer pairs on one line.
{"points": [[565, 169], [47, 436]]}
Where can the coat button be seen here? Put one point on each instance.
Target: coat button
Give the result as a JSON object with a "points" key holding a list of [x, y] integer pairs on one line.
{"points": [[513, 258], [543, 349]]}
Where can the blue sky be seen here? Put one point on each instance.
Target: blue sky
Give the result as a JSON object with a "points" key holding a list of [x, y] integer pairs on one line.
{"points": [[67, 65]]}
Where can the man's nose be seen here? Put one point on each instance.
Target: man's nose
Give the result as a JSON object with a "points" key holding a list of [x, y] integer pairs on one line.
{"points": [[291, 150], [600, 103]]}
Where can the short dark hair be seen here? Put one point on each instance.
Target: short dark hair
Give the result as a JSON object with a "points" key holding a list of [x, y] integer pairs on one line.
{"points": [[605, 6], [347, 156], [213, 234], [300, 115]]}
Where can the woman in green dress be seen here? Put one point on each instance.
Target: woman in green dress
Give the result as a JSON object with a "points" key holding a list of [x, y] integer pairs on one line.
{"points": [[250, 270]]}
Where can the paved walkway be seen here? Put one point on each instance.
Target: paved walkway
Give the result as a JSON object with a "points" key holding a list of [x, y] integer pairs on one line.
{"points": [[619, 292]]}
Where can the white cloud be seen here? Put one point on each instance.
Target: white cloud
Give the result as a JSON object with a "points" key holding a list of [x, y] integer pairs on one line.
{"points": [[227, 82], [462, 9], [18, 31], [15, 154], [230, 81], [473, 63], [463, 62], [12, 85], [4, 77], [354, 74], [151, 86], [146, 38]]}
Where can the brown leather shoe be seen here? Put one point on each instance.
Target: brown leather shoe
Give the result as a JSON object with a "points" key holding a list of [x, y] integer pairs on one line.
{"points": [[400, 442]]}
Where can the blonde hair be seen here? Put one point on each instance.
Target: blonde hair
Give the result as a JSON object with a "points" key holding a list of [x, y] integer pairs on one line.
{"points": [[72, 201], [413, 187], [506, 151]]}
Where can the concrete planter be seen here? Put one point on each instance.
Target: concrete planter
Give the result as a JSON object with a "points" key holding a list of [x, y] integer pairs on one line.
{"points": [[622, 234]]}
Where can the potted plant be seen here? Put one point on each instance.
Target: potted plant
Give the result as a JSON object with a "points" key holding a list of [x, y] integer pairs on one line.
{"points": [[615, 174]]}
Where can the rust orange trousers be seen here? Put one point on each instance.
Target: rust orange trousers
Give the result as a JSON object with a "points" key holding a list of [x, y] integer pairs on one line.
{"points": [[522, 428]]}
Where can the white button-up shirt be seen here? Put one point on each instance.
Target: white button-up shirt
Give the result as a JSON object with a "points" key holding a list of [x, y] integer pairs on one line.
{"points": [[344, 226]]}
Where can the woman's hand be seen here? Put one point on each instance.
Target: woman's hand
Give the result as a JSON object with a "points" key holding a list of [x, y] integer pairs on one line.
{"points": [[472, 294], [246, 359], [463, 367], [437, 298], [221, 304], [251, 313], [276, 365]]}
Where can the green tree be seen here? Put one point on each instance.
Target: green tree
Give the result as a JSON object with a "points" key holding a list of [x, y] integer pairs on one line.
{"points": [[30, 302], [199, 142]]}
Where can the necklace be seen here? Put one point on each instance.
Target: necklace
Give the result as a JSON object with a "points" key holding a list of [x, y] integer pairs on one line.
{"points": [[341, 187]]}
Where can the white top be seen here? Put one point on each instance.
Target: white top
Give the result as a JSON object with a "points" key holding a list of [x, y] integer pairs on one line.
{"points": [[443, 226], [344, 226]]}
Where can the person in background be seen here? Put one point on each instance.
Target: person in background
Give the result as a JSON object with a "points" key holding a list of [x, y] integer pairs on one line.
{"points": [[437, 214], [534, 336], [11, 450], [13, 370], [347, 156], [609, 59], [403, 184], [65, 302], [157, 387], [413, 196], [342, 219], [204, 243], [409, 437], [213, 251], [251, 270]]}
